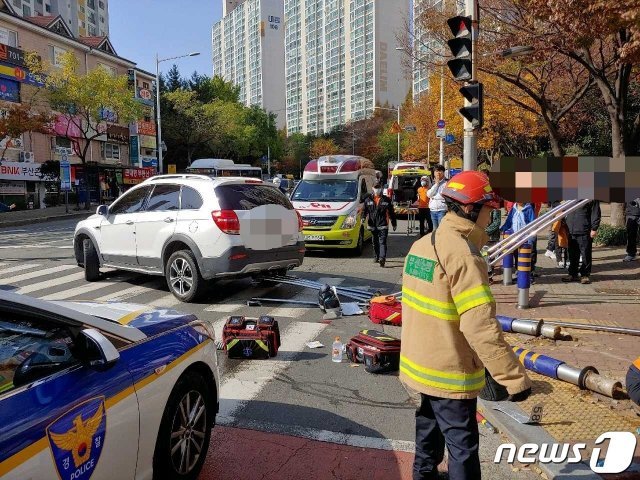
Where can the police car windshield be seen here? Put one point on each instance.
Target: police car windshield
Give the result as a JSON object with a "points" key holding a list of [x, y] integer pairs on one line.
{"points": [[326, 190]]}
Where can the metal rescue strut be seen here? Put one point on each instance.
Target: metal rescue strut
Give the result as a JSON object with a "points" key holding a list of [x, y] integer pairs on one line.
{"points": [[536, 328], [508, 245], [585, 378]]}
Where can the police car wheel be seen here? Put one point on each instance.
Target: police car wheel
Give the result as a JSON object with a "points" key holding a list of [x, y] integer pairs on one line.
{"points": [[183, 277], [185, 430], [91, 262]]}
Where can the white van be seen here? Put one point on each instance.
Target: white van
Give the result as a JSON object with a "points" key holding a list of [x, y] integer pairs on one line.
{"points": [[330, 199]]}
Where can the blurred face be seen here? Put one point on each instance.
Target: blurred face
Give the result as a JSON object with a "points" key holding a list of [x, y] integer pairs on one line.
{"points": [[439, 175]]}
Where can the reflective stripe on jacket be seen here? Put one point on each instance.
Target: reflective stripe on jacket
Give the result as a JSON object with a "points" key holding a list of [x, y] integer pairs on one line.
{"points": [[449, 329]]}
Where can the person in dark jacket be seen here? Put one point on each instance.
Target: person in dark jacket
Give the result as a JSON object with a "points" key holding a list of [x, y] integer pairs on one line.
{"points": [[378, 210], [583, 224], [6, 208], [633, 222], [493, 229]]}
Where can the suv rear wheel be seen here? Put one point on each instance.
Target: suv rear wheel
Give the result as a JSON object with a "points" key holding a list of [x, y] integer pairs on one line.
{"points": [[91, 261], [183, 277]]}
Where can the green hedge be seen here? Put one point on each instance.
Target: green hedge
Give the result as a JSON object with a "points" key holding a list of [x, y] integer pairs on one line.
{"points": [[611, 236]]}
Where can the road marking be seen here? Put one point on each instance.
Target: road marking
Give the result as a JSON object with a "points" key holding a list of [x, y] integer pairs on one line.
{"points": [[165, 302], [18, 268], [128, 292], [81, 290], [245, 383], [55, 282], [39, 273], [319, 435], [225, 307]]}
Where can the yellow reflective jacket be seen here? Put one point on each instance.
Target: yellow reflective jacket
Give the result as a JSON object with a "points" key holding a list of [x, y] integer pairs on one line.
{"points": [[449, 329]]}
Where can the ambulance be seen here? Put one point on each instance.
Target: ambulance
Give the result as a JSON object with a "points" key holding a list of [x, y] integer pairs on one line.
{"points": [[330, 199], [404, 180]]}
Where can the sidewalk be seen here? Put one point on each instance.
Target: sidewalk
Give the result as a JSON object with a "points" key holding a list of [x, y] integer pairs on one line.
{"points": [[613, 298], [26, 217]]}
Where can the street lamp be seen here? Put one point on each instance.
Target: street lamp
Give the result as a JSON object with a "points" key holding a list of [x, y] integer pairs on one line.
{"points": [[159, 134], [399, 128]]}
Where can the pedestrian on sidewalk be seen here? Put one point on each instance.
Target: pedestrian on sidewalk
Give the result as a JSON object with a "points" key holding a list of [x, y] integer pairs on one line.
{"points": [[450, 333], [633, 384], [379, 212], [583, 225], [519, 217], [424, 214], [633, 222], [493, 232], [6, 208], [553, 236], [437, 205]]}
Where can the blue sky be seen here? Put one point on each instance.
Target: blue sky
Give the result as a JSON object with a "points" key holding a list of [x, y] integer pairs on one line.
{"points": [[138, 29]]}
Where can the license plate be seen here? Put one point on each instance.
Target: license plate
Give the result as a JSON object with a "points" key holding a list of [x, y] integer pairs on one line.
{"points": [[317, 238]]}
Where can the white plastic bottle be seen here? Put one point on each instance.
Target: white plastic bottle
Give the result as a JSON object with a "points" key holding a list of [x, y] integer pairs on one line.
{"points": [[336, 351]]}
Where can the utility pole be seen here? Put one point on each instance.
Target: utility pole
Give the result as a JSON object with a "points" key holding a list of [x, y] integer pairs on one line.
{"points": [[399, 130], [470, 157], [442, 113], [269, 160]]}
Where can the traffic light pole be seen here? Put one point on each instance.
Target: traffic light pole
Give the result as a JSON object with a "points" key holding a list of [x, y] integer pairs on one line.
{"points": [[470, 156]]}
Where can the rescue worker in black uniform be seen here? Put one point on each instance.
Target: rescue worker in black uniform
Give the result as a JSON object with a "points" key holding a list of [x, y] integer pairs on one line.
{"points": [[378, 210]]}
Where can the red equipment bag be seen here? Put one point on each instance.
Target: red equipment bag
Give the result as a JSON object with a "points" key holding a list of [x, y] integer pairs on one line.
{"points": [[251, 337], [385, 310], [378, 351]]}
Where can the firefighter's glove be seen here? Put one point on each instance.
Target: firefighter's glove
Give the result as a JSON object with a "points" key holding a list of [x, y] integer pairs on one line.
{"points": [[521, 396]]}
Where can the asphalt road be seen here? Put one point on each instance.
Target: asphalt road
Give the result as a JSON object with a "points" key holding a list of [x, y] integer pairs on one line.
{"points": [[301, 391]]}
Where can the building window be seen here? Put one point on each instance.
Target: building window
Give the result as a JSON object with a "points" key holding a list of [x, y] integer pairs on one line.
{"points": [[92, 31], [91, 4], [101, 5], [112, 70], [145, 85], [55, 55], [47, 8], [26, 10], [8, 37], [17, 3], [39, 2], [111, 151], [62, 142]]}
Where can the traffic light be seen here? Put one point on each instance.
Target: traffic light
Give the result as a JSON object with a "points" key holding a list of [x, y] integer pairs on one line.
{"points": [[474, 112], [460, 46]]}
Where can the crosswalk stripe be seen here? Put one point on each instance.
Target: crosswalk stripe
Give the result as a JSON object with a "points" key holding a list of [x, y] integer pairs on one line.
{"points": [[55, 282], [39, 273], [165, 302], [81, 290], [224, 307], [247, 381], [127, 293], [18, 268]]}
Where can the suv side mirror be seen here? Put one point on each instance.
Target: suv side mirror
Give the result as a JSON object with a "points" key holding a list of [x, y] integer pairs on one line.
{"points": [[104, 353], [102, 210]]}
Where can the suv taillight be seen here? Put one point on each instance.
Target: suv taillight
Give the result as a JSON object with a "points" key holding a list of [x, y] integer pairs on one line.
{"points": [[227, 221], [300, 222]]}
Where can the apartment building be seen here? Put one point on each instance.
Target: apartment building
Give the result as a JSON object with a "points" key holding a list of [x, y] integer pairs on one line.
{"points": [[248, 50], [86, 18], [118, 153], [341, 61]]}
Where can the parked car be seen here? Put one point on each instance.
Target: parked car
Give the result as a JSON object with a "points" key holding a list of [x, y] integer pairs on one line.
{"points": [[192, 228], [82, 381]]}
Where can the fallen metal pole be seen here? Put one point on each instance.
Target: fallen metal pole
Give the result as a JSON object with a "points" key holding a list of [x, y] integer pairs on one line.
{"points": [[284, 300], [349, 289], [562, 209], [521, 236], [586, 378], [301, 284], [313, 284], [597, 328]]}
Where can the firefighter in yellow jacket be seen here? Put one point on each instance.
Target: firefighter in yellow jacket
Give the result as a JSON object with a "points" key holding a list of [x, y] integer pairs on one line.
{"points": [[450, 333]]}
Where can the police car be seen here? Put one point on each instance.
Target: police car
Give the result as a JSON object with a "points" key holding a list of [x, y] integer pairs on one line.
{"points": [[103, 391]]}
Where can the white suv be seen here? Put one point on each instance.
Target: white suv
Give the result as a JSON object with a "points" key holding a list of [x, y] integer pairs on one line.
{"points": [[192, 228]]}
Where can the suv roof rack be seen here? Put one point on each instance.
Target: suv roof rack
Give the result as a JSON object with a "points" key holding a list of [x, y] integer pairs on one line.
{"points": [[179, 176]]}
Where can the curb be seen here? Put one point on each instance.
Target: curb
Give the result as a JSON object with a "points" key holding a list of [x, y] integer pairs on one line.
{"points": [[29, 221], [521, 434]]}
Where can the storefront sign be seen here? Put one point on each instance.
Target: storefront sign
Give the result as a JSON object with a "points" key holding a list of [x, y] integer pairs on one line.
{"points": [[147, 128], [150, 162], [11, 55], [13, 188], [19, 74], [133, 176], [20, 171], [65, 126], [148, 142], [134, 150], [116, 133], [108, 115], [9, 90]]}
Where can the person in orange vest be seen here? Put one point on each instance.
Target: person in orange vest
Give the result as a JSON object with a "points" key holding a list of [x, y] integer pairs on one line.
{"points": [[633, 384], [423, 206]]}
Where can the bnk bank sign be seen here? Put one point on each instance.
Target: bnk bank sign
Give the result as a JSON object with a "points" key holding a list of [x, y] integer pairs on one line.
{"points": [[617, 459]]}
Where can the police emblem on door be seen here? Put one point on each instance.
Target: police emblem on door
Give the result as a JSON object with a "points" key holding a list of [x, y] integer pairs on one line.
{"points": [[76, 439]]}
